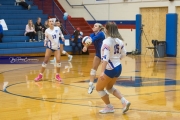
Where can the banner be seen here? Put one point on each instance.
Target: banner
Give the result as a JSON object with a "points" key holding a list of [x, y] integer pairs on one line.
{"points": [[3, 23], [20, 60]]}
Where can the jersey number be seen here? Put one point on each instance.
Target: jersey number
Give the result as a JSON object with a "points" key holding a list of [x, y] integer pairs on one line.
{"points": [[116, 49], [54, 36]]}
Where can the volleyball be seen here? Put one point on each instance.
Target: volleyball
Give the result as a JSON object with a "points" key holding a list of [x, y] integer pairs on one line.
{"points": [[87, 40]]}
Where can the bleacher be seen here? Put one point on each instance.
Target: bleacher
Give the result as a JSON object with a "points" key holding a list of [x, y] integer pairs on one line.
{"points": [[16, 18]]}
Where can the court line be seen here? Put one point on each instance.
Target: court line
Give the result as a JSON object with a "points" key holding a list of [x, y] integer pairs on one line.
{"points": [[131, 109], [37, 98], [17, 69], [86, 88]]}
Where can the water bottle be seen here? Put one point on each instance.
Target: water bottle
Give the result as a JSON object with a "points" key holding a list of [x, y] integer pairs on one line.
{"points": [[14, 3], [25, 40], [17, 4]]}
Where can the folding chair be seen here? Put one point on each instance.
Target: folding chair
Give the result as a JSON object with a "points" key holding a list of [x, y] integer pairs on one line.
{"points": [[153, 48]]}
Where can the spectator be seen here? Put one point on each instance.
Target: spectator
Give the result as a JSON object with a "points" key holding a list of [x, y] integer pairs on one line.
{"points": [[23, 4], [1, 32], [30, 31], [39, 29], [45, 26], [76, 41]]}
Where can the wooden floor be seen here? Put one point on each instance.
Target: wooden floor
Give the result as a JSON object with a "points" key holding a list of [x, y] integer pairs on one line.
{"points": [[152, 87]]}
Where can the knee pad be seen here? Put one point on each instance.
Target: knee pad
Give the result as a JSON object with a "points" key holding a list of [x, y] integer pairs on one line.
{"points": [[102, 93], [93, 72], [58, 64], [44, 64], [111, 90], [63, 52]]}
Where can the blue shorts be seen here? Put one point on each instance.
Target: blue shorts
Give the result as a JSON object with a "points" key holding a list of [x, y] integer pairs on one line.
{"points": [[116, 72], [98, 55], [61, 42]]}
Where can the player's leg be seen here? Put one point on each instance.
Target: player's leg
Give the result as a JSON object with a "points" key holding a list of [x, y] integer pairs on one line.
{"points": [[112, 90], [64, 52], [44, 64], [57, 55], [96, 63], [101, 84]]}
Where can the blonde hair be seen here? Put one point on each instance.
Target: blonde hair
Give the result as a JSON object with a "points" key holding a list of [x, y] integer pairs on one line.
{"points": [[30, 26], [112, 30], [101, 27]]}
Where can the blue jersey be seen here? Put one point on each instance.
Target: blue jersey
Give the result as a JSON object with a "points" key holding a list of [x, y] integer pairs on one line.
{"points": [[97, 40]]}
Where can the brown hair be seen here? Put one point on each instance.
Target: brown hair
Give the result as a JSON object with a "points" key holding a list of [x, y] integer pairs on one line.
{"points": [[76, 34], [112, 30]]}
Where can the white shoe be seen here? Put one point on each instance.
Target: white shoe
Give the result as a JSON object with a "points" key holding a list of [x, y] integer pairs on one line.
{"points": [[126, 105], [52, 61], [70, 58], [107, 110], [91, 88]]}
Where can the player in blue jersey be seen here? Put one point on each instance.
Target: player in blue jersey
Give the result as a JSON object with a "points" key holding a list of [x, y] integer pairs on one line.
{"points": [[97, 39], [112, 51]]}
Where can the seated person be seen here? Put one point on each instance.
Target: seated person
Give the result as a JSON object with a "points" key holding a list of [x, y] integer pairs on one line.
{"points": [[76, 39], [39, 29], [30, 31], [45, 26], [23, 4]]}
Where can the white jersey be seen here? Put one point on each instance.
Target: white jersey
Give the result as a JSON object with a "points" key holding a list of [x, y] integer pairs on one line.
{"points": [[52, 38], [112, 51]]}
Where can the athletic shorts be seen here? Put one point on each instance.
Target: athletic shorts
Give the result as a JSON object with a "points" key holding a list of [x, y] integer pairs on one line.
{"points": [[116, 72], [61, 42], [98, 55], [52, 49]]}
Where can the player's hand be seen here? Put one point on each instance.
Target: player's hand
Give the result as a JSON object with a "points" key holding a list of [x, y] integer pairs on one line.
{"points": [[84, 49], [101, 76], [63, 39]]}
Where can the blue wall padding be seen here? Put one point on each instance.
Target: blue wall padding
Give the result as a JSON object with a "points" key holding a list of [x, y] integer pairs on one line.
{"points": [[171, 34], [138, 32]]}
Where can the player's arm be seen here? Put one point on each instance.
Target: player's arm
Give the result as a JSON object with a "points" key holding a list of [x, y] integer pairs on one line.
{"points": [[61, 34], [96, 37], [105, 56], [123, 51], [46, 38], [92, 37]]}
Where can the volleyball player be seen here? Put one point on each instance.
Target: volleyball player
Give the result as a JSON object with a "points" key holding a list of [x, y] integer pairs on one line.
{"points": [[52, 35], [59, 24], [97, 38], [112, 51]]}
